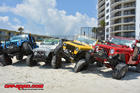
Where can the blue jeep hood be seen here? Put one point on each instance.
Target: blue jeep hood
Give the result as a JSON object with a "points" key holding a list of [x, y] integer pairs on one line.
{"points": [[8, 42]]}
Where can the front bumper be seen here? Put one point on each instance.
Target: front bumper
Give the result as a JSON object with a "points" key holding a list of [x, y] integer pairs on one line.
{"points": [[40, 55], [12, 49]]}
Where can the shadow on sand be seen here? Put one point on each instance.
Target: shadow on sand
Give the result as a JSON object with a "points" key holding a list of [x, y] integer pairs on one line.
{"points": [[130, 75]]}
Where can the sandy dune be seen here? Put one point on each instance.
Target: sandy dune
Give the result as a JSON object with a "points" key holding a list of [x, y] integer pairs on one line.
{"points": [[94, 80]]}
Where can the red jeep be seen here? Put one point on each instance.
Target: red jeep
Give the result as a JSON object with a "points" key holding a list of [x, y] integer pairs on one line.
{"points": [[118, 54]]}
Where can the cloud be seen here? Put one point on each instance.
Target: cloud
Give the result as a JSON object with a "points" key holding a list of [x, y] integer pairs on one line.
{"points": [[16, 20], [43, 17], [4, 8], [5, 23], [4, 18]]}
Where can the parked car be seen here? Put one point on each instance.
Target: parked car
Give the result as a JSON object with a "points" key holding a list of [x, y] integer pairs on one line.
{"points": [[119, 53], [73, 51], [19, 46], [44, 52]]}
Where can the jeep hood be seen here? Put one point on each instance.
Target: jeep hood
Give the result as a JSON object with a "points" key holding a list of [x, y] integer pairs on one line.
{"points": [[113, 46], [9, 42], [78, 44], [45, 48]]}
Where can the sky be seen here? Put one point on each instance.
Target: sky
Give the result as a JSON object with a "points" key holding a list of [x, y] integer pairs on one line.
{"points": [[48, 17]]}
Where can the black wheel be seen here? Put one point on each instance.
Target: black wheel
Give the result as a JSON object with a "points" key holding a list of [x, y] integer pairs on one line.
{"points": [[56, 62], [5, 60], [99, 64], [30, 62], [19, 57], [120, 71], [81, 65], [138, 68], [27, 48]]}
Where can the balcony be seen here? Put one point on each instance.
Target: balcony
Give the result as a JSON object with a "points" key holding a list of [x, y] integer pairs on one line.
{"points": [[123, 21], [101, 2], [123, 14], [103, 10], [117, 2], [124, 28]]}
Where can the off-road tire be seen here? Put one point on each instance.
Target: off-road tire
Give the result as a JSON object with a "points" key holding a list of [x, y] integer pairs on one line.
{"points": [[27, 48], [80, 65], [30, 62], [19, 57], [5, 60], [56, 62], [120, 71], [138, 68]]}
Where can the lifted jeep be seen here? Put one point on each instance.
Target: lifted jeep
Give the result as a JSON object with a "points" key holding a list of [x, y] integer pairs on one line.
{"points": [[73, 51], [44, 52], [18, 46], [117, 54]]}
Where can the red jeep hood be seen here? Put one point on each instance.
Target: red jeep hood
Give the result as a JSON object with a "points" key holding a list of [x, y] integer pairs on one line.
{"points": [[113, 46]]}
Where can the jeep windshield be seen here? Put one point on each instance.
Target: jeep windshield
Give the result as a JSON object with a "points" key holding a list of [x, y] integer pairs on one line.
{"points": [[126, 42], [85, 40], [19, 37], [50, 42]]}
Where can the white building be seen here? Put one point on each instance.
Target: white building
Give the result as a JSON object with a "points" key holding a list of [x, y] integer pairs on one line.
{"points": [[122, 17]]}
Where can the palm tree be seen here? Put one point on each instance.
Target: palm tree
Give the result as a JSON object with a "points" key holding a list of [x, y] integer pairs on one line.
{"points": [[99, 31], [102, 24], [102, 29], [95, 30], [20, 29]]}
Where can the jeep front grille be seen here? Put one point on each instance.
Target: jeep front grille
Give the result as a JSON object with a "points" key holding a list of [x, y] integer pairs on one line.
{"points": [[39, 53], [12, 44], [70, 48], [106, 50]]}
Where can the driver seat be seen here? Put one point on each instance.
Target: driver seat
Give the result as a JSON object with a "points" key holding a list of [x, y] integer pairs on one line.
{"points": [[135, 54]]}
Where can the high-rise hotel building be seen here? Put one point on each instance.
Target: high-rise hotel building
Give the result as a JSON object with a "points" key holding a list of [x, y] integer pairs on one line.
{"points": [[121, 17]]}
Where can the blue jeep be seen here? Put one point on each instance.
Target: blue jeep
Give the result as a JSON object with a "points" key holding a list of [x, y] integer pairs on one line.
{"points": [[18, 46]]}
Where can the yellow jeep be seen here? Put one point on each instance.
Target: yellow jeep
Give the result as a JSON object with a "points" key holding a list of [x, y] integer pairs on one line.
{"points": [[74, 51]]}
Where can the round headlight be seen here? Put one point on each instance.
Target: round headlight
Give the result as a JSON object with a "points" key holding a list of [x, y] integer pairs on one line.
{"points": [[112, 51], [64, 44], [19, 43], [97, 47], [77, 49]]}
